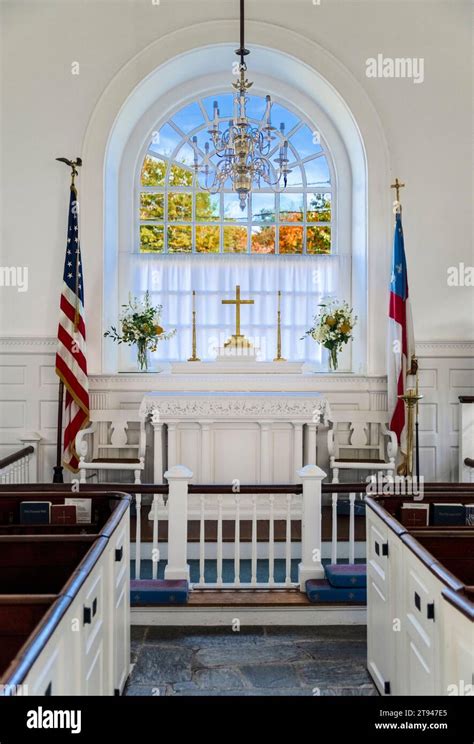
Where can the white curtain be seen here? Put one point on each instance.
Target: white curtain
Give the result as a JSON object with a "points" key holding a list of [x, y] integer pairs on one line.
{"points": [[303, 280]]}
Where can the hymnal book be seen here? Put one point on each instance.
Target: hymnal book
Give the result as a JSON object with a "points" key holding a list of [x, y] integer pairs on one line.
{"points": [[63, 514], [83, 509], [35, 512], [414, 515], [469, 514], [448, 514]]}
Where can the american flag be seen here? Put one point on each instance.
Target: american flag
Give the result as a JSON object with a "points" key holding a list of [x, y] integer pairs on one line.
{"points": [[401, 344], [71, 363]]}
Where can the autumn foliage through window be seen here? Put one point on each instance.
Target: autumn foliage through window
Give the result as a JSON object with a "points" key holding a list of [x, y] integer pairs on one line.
{"points": [[177, 216]]}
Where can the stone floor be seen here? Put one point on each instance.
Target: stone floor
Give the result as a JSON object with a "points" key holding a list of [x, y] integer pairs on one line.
{"points": [[327, 660]]}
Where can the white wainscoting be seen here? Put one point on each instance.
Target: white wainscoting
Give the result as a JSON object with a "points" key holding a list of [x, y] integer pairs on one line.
{"points": [[28, 396]]}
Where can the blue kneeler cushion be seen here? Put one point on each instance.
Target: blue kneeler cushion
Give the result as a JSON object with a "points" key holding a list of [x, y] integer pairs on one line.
{"points": [[347, 575], [158, 592], [320, 590]]}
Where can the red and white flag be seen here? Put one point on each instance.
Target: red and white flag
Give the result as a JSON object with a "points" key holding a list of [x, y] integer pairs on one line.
{"points": [[71, 362], [401, 340]]}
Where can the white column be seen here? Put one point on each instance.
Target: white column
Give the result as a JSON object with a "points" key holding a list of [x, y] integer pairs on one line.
{"points": [[178, 478], [311, 566], [172, 445], [311, 449], [33, 439], [266, 460], [157, 452], [297, 449], [206, 453]]}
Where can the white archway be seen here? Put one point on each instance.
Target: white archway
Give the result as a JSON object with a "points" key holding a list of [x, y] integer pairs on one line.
{"points": [[283, 63]]}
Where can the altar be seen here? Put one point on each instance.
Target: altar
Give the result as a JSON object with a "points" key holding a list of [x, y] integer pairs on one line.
{"points": [[247, 437]]}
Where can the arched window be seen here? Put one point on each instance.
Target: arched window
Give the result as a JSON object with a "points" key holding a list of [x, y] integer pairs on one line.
{"points": [[310, 84], [176, 216], [185, 238]]}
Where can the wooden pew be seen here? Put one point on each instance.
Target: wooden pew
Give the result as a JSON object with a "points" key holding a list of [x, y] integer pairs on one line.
{"points": [[421, 578], [452, 547], [40, 564], [51, 582], [19, 616], [103, 505]]}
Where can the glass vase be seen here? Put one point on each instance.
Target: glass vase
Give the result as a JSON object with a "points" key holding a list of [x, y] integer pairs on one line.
{"points": [[332, 360], [142, 355]]}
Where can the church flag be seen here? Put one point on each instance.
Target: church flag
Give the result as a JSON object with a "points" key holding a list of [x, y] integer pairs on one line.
{"points": [[71, 362], [401, 340]]}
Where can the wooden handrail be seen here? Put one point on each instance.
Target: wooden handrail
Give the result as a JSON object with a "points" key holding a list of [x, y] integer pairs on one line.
{"points": [[290, 488], [469, 462], [10, 459], [163, 488]]}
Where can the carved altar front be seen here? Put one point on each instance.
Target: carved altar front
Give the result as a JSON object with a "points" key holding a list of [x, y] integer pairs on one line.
{"points": [[252, 437]]}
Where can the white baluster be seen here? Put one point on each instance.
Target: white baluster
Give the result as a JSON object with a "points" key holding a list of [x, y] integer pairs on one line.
{"points": [[25, 469], [334, 529], [253, 579], [237, 541], [219, 540], [288, 541], [138, 535], [271, 543], [202, 543], [154, 545], [351, 528]]}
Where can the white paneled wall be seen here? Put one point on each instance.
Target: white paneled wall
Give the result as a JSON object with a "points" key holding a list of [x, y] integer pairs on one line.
{"points": [[28, 394]]}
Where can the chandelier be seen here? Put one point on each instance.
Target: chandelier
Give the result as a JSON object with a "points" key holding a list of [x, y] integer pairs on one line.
{"points": [[243, 149]]}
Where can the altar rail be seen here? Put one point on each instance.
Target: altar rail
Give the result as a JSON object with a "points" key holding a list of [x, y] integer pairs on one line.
{"points": [[249, 538]]}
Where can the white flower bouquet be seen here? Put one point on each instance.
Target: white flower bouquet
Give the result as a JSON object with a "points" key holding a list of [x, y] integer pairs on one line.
{"points": [[333, 327], [140, 322]]}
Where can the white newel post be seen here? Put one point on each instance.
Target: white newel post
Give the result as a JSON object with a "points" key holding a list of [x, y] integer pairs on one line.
{"points": [[311, 566], [33, 439], [178, 478]]}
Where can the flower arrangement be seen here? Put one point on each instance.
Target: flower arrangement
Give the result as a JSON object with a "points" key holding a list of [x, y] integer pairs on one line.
{"points": [[333, 327], [140, 322]]}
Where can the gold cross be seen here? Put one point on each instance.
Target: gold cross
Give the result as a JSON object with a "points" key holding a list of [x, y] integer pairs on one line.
{"points": [[237, 302], [397, 185]]}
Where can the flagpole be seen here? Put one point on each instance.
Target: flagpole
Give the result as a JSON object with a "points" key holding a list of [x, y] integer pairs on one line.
{"points": [[58, 468], [417, 440]]}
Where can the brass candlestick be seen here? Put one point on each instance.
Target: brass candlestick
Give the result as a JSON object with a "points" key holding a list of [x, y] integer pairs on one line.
{"points": [[194, 357], [410, 398], [279, 357]]}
